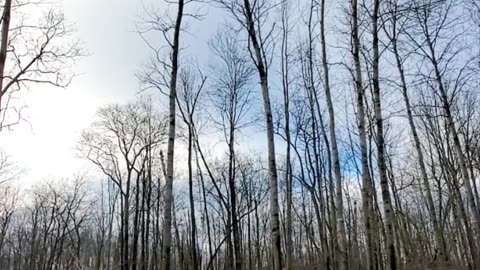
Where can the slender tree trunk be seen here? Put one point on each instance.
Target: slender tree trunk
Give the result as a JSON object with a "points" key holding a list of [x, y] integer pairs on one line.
{"points": [[125, 225], [179, 242], [342, 242], [143, 214], [249, 231], [148, 202], [7, 8], [168, 198], [367, 185], [229, 260], [205, 208], [195, 265], [382, 167], [257, 238], [136, 223], [272, 166], [112, 205], [286, 100], [233, 198]]}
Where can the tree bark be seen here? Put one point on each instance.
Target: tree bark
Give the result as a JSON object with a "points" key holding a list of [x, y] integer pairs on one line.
{"points": [[367, 185], [382, 167], [168, 198], [272, 166], [233, 198], [7, 8], [286, 101], [342, 242]]}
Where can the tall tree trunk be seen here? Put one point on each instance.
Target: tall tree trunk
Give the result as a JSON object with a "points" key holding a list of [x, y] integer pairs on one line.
{"points": [[342, 242], [143, 214], [249, 227], [257, 239], [233, 198], [195, 265], [125, 224], [286, 101], [136, 223], [367, 185], [382, 167], [168, 198], [148, 205], [205, 206], [272, 166]]}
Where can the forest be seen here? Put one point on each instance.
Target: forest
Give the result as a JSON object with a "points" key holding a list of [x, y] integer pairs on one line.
{"points": [[321, 134]]}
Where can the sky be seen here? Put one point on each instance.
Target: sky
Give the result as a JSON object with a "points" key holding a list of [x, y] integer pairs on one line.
{"points": [[44, 146]]}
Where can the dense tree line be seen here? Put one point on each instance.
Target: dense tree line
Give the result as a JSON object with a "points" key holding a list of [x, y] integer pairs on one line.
{"points": [[371, 160]]}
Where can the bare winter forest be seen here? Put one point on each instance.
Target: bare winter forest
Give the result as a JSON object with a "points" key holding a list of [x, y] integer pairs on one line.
{"points": [[320, 134]]}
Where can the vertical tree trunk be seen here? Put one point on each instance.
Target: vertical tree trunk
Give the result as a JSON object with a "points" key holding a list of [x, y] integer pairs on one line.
{"points": [[272, 166], [148, 213], [7, 8], [233, 198], [136, 222], [205, 207], [367, 185], [179, 242], [229, 252], [382, 167], [286, 101], [168, 198], [191, 199], [342, 242], [143, 207], [125, 225], [257, 239], [249, 230], [112, 205]]}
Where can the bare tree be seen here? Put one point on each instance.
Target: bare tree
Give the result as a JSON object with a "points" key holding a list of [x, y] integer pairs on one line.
{"points": [[387, 204], [163, 74], [33, 51], [394, 30], [232, 99], [116, 145], [249, 15], [7, 208], [333, 140], [191, 86], [286, 82], [367, 183]]}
